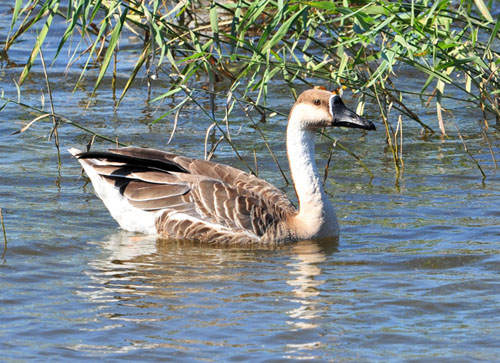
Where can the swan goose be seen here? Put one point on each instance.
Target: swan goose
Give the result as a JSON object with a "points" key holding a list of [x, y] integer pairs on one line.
{"points": [[156, 192]]}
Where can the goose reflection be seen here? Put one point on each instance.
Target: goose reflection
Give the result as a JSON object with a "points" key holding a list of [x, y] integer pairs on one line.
{"points": [[133, 267], [306, 281], [178, 290], [130, 266], [119, 271]]}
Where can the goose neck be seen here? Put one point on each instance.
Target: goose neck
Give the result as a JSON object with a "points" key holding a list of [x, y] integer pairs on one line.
{"points": [[316, 216], [305, 175]]}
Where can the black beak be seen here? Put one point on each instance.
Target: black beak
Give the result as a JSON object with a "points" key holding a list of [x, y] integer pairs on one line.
{"points": [[342, 116]]}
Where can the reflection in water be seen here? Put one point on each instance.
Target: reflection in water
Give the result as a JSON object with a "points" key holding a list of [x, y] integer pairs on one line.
{"points": [[306, 282], [184, 288], [123, 246], [122, 263], [126, 257]]}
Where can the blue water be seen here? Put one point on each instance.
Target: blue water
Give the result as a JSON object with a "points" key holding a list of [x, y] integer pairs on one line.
{"points": [[414, 276]]}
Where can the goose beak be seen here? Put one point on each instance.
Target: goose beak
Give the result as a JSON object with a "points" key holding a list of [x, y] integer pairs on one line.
{"points": [[342, 116]]}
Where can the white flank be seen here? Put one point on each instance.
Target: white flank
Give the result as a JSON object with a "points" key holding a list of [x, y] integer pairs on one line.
{"points": [[128, 217]]}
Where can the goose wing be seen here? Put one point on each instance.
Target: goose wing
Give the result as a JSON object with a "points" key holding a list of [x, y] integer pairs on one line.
{"points": [[200, 193]]}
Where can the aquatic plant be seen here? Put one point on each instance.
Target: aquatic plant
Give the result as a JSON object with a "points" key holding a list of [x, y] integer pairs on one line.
{"points": [[238, 47]]}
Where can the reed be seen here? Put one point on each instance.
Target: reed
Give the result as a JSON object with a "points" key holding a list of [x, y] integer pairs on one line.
{"points": [[4, 235], [240, 46]]}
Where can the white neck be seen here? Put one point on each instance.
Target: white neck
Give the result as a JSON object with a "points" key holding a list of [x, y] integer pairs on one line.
{"points": [[316, 217]]}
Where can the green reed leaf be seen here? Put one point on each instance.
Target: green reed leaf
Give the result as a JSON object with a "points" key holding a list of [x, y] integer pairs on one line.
{"points": [[39, 40], [113, 42], [483, 9], [15, 12]]}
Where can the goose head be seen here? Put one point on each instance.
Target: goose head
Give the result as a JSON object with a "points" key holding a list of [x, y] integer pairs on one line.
{"points": [[316, 108]]}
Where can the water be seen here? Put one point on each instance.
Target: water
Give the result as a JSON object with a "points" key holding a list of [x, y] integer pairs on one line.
{"points": [[414, 276]]}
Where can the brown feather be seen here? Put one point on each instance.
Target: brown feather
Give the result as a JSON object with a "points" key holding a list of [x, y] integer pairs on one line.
{"points": [[160, 203], [140, 191]]}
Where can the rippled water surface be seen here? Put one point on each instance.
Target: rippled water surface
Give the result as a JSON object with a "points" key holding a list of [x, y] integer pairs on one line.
{"points": [[415, 275]]}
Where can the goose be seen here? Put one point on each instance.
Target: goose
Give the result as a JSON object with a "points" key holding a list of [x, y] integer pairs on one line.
{"points": [[156, 192]]}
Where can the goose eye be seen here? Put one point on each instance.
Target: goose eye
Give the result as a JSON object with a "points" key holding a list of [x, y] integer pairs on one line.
{"points": [[317, 102]]}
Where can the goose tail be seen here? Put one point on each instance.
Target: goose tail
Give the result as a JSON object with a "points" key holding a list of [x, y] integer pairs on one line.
{"points": [[128, 217]]}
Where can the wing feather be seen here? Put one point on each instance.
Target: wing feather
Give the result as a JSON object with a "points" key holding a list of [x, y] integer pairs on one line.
{"points": [[160, 203], [144, 174], [141, 191]]}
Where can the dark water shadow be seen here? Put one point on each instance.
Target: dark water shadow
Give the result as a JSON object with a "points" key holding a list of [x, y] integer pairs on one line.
{"points": [[128, 247], [325, 245]]}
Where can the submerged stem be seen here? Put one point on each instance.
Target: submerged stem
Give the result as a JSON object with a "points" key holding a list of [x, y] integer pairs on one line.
{"points": [[54, 118], [4, 234]]}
